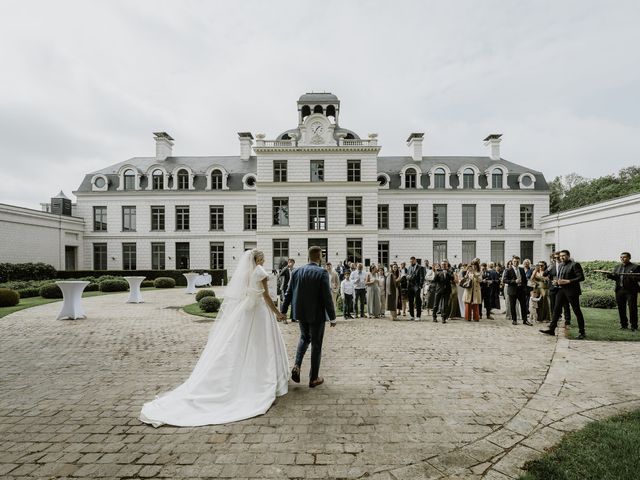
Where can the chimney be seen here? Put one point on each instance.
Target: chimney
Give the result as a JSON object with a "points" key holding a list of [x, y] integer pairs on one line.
{"points": [[493, 142], [246, 140], [164, 145], [414, 142]]}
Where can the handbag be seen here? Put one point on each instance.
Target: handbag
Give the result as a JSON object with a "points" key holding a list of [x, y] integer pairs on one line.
{"points": [[467, 282]]}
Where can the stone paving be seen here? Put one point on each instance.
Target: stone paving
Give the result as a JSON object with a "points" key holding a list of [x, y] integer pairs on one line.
{"points": [[402, 400]]}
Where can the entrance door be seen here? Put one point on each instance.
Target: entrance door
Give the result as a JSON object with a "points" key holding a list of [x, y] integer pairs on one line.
{"points": [[323, 244], [70, 255]]}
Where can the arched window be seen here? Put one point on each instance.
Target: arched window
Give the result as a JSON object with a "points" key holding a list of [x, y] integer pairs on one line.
{"points": [[216, 180], [157, 180], [183, 180], [468, 178], [496, 178], [318, 109], [382, 180], [331, 112], [129, 180], [410, 178], [439, 178], [306, 111]]}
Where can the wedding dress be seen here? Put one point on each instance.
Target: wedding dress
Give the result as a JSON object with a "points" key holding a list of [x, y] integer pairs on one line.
{"points": [[243, 367]]}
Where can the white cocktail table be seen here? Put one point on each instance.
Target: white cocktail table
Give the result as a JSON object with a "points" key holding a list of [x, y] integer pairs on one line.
{"points": [[135, 296], [191, 282], [72, 295]]}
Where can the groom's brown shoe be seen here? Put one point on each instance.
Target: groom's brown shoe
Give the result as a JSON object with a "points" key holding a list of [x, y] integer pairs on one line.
{"points": [[295, 374], [316, 382]]}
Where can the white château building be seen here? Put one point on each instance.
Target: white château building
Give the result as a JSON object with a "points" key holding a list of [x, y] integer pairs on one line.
{"points": [[316, 184]]}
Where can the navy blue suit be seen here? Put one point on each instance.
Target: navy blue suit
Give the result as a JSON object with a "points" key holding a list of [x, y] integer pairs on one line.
{"points": [[309, 295]]}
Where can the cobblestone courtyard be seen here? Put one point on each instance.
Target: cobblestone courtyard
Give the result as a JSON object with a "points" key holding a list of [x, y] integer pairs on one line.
{"points": [[401, 400]]}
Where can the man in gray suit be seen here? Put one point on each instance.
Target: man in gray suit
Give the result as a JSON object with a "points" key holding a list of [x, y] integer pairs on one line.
{"points": [[309, 295]]}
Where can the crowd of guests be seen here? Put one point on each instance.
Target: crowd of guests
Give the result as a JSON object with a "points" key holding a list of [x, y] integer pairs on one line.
{"points": [[544, 292]]}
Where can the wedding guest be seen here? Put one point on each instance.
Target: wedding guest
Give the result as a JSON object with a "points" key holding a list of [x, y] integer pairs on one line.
{"points": [[454, 303], [283, 280], [415, 279], [472, 297], [552, 274], [358, 277], [626, 276], [541, 286], [404, 288], [516, 281], [382, 285], [442, 284], [334, 282], [346, 292], [528, 271], [428, 290], [490, 282], [373, 292], [534, 302], [505, 288], [393, 291]]}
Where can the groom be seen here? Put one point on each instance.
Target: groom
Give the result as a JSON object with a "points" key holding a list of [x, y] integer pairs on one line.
{"points": [[309, 294]]}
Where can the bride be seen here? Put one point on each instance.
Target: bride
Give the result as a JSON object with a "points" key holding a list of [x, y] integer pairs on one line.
{"points": [[244, 365]]}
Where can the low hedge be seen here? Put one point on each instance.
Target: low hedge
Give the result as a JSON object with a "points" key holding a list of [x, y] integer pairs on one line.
{"points": [[50, 290], [217, 276], [29, 292], [164, 282], [598, 299], [114, 285], [204, 293], [92, 287], [210, 304], [147, 284], [26, 271], [8, 298]]}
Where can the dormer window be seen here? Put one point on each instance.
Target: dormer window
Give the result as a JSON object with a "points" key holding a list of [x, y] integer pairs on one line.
{"points": [[99, 183], [216, 180], [527, 181], [182, 180], [496, 179], [129, 180], [157, 180], [468, 178], [439, 178], [249, 181], [410, 178]]}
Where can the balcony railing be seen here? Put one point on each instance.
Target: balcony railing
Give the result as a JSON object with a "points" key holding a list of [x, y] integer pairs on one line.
{"points": [[342, 142]]}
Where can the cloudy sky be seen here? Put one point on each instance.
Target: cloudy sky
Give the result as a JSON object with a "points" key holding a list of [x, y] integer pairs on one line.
{"points": [[84, 84]]}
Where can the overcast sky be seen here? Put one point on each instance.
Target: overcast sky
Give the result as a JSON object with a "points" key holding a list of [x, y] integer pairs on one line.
{"points": [[83, 84]]}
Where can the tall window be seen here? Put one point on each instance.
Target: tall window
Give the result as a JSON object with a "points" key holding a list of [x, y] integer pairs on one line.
{"points": [[497, 217], [216, 180], [281, 211], [157, 256], [157, 180], [216, 217], [129, 180], [128, 256], [496, 179], [279, 170], [440, 217], [182, 218], [157, 218], [526, 249], [317, 214], [468, 178], [383, 253], [128, 219], [182, 255], [526, 217], [250, 217], [497, 251], [439, 178], [100, 256], [354, 210], [468, 217], [383, 217], [280, 253], [317, 170], [216, 254], [183, 180], [410, 178], [410, 216], [468, 251], [99, 219], [353, 170], [354, 250], [439, 250]]}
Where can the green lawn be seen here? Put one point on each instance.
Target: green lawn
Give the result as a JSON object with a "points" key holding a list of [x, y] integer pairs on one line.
{"points": [[602, 324], [194, 309], [35, 301], [603, 450]]}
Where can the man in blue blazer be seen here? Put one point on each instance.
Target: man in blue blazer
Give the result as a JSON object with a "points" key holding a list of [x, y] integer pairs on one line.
{"points": [[309, 295]]}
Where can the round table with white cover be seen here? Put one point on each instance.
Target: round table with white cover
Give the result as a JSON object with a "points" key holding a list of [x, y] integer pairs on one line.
{"points": [[135, 295], [191, 281], [72, 295]]}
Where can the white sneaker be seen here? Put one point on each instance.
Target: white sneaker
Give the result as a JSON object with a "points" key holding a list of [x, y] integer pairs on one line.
{"points": [[411, 319]]}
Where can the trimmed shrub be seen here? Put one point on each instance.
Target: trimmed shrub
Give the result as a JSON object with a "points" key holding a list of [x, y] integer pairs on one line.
{"points": [[92, 287], [598, 299], [164, 282], [50, 290], [8, 298], [204, 293], [217, 276], [29, 292], [120, 285], [26, 271], [147, 284], [210, 304]]}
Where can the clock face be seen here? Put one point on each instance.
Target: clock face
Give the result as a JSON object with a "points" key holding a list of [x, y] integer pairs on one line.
{"points": [[317, 128]]}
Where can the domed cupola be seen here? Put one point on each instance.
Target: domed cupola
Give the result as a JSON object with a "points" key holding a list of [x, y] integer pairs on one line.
{"points": [[326, 104]]}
